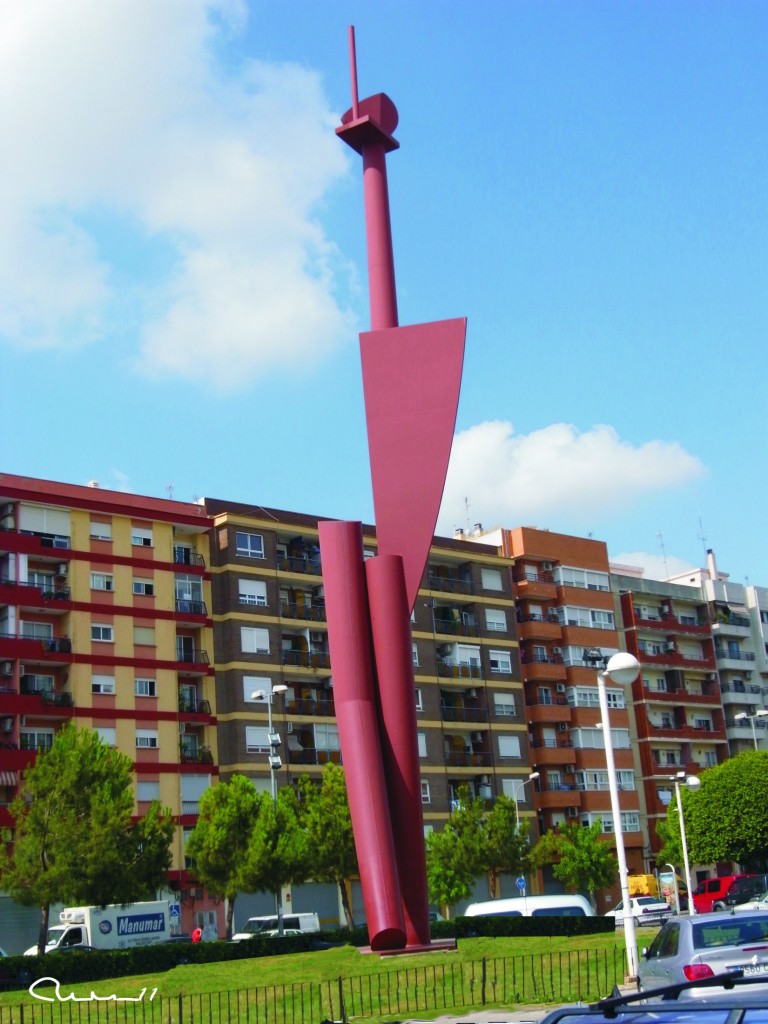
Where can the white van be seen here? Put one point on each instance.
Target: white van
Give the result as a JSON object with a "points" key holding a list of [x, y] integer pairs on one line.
{"points": [[565, 905], [291, 923]]}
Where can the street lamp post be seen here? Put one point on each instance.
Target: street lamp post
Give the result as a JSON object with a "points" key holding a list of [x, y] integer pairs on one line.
{"points": [[743, 716], [621, 669], [275, 764], [693, 783], [518, 789]]}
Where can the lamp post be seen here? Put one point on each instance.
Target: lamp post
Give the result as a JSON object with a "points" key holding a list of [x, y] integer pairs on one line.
{"points": [[622, 669], [742, 716], [275, 764], [518, 789], [693, 783]]}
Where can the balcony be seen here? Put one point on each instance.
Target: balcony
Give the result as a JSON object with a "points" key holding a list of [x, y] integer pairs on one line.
{"points": [[536, 627], [450, 583], [307, 612], [548, 712], [194, 706], [733, 659], [28, 595], [557, 752], [452, 670], [323, 707], [307, 659], [468, 759], [671, 624], [183, 556], [311, 755], [558, 797], [307, 564], [673, 657], [535, 586], [455, 627], [185, 606], [451, 711], [191, 754]]}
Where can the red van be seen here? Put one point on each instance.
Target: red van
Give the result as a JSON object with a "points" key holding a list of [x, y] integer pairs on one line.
{"points": [[714, 891]]}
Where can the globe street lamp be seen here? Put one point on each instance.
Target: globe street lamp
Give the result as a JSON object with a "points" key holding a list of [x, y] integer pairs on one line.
{"points": [[742, 716], [518, 788], [693, 783], [622, 669], [275, 765]]}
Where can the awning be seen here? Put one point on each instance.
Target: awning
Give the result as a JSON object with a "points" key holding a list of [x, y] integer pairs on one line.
{"points": [[9, 778]]}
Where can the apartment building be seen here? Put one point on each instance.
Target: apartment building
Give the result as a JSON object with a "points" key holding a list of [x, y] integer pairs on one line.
{"points": [[677, 699], [567, 628], [105, 622], [271, 638], [739, 618]]}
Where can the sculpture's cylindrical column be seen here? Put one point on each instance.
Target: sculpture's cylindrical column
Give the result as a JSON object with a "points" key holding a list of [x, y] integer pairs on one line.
{"points": [[392, 645], [341, 547], [378, 232]]}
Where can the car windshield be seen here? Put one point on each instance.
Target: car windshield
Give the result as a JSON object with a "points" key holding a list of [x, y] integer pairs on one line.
{"points": [[658, 1015], [731, 932], [644, 900], [53, 936]]}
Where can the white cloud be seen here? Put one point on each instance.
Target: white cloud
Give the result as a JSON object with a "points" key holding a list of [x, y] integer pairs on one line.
{"points": [[555, 477], [124, 136], [657, 567]]}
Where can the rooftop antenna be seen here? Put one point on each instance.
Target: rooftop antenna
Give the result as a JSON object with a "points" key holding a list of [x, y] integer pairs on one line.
{"points": [[660, 535], [702, 537], [466, 510], [169, 490]]}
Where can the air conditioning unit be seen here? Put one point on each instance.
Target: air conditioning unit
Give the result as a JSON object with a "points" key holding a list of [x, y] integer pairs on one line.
{"points": [[569, 769], [289, 728], [571, 812], [547, 566], [182, 727], [485, 780], [562, 726], [560, 688], [6, 668], [472, 692], [557, 650], [62, 569], [669, 647], [477, 737], [7, 725]]}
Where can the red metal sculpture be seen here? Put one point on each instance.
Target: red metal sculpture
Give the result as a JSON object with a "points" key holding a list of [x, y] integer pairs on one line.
{"points": [[411, 379]]}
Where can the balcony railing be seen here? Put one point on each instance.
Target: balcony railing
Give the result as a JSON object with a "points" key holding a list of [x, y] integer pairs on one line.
{"points": [[447, 668], [190, 705], [304, 706], [49, 540], [194, 657], [452, 713], [468, 759], [725, 655], [183, 556], [307, 659], [310, 755], [311, 612], [186, 607], [300, 563], [451, 584], [453, 628]]}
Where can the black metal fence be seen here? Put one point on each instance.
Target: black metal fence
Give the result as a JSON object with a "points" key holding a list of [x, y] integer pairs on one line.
{"points": [[439, 987]]}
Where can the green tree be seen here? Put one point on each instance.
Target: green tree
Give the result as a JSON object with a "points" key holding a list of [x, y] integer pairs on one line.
{"points": [[219, 842], [326, 820], [727, 818], [75, 840], [507, 850], [278, 851], [458, 853], [580, 859]]}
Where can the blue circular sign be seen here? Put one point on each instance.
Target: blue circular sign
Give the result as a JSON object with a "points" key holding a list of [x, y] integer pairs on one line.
{"points": [[521, 884]]}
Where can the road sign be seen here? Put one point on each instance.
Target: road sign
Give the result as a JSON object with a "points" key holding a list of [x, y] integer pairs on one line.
{"points": [[521, 884], [174, 910]]}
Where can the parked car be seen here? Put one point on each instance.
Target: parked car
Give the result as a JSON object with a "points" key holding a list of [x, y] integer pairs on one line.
{"points": [[759, 903], [646, 910], [712, 893], [743, 889], [702, 946]]}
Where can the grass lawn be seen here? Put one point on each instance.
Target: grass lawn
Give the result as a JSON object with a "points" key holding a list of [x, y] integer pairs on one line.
{"points": [[327, 966]]}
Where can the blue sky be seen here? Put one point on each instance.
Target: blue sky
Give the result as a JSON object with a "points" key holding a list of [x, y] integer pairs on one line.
{"points": [[183, 271]]}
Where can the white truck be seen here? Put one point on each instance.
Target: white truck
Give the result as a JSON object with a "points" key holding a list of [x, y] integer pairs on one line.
{"points": [[114, 927]]}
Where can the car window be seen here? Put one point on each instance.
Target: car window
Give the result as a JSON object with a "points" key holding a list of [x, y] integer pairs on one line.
{"points": [[735, 931], [645, 900], [666, 942], [714, 885]]}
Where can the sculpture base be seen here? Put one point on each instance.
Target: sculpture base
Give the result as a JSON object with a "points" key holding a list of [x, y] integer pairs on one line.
{"points": [[437, 946]]}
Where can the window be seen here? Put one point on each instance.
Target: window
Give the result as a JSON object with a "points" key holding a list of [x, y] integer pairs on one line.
{"points": [[630, 822], [144, 636], [141, 537], [504, 704], [102, 581], [257, 739], [425, 797], [593, 738], [418, 696], [146, 738], [422, 741], [496, 620], [601, 619], [101, 531], [107, 734], [250, 545], [415, 655], [36, 739], [147, 791], [102, 634], [566, 576], [145, 687], [500, 661], [491, 579], [146, 588], [326, 737], [37, 630], [102, 684], [252, 592], [255, 684], [253, 640], [509, 746]]}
